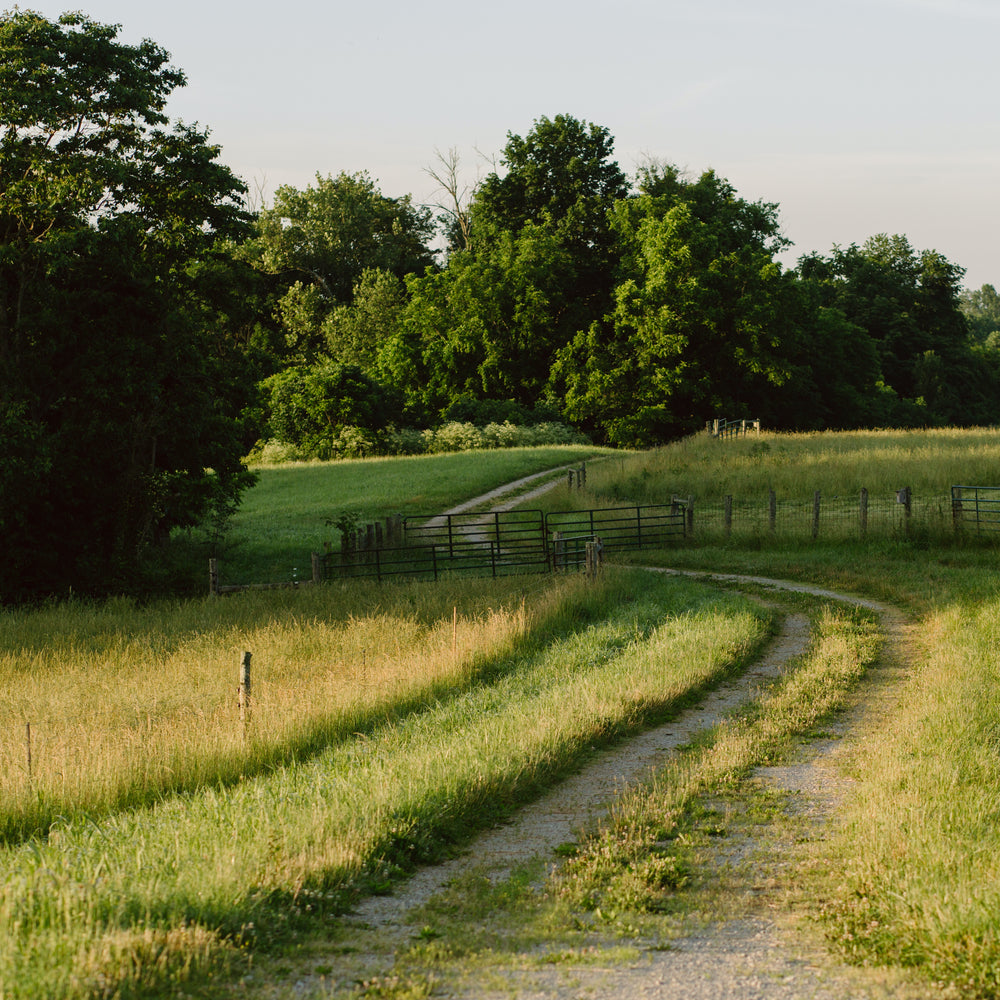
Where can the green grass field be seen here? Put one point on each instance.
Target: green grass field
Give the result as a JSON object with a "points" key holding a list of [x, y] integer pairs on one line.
{"points": [[287, 515], [152, 846]]}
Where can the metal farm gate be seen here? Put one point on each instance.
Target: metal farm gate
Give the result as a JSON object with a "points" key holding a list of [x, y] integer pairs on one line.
{"points": [[976, 507], [502, 543]]}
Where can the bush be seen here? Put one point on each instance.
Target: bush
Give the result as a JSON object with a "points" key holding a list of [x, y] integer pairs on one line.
{"points": [[358, 442], [453, 436]]}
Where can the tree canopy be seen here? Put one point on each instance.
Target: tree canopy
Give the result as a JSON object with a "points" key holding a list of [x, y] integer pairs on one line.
{"points": [[108, 380]]}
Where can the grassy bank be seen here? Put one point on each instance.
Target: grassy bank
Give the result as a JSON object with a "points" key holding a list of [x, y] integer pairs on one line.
{"points": [[778, 490], [129, 900]]}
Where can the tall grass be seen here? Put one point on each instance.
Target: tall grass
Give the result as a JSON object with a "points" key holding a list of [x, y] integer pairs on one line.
{"points": [[925, 891], [730, 484], [796, 465], [158, 684], [133, 900]]}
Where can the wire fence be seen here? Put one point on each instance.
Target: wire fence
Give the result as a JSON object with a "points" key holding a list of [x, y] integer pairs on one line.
{"points": [[861, 516]]}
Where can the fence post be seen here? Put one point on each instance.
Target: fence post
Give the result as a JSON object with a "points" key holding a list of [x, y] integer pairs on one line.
{"points": [[728, 519], [905, 497], [558, 550], [583, 474], [956, 508], [213, 577], [690, 517], [243, 691], [864, 512], [317, 568], [593, 557], [815, 524], [772, 511]]}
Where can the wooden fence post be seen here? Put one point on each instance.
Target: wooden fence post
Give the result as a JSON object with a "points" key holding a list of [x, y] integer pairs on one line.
{"points": [[593, 557], [956, 508], [317, 568], [905, 497], [690, 517], [815, 524], [864, 512], [558, 550], [243, 691], [213, 577], [772, 511]]}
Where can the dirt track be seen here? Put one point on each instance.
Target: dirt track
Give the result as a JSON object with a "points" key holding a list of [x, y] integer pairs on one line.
{"points": [[754, 951]]}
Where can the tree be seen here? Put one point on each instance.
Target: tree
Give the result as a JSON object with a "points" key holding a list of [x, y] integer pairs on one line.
{"points": [[455, 211], [489, 325], [700, 321], [981, 308], [311, 407], [114, 400], [560, 176], [908, 304], [355, 333], [323, 238], [531, 263]]}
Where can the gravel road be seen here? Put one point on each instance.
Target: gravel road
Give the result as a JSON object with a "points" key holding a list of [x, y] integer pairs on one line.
{"points": [[759, 949]]}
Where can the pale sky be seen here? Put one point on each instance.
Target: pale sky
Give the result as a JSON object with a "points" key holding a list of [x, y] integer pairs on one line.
{"points": [[857, 116]]}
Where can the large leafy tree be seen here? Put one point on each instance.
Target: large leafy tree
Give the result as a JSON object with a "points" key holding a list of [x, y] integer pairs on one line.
{"points": [[115, 400], [701, 317], [535, 264], [981, 308], [322, 239], [909, 305]]}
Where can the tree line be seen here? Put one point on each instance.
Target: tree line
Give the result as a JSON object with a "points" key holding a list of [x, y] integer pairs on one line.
{"points": [[153, 328]]}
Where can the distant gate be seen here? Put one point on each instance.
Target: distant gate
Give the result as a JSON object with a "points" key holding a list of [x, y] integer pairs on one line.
{"points": [[977, 507], [503, 543]]}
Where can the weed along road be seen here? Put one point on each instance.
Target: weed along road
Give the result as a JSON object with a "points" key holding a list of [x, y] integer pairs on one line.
{"points": [[681, 862]]}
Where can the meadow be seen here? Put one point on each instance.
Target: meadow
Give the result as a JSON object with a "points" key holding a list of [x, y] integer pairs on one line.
{"points": [[292, 510], [152, 845]]}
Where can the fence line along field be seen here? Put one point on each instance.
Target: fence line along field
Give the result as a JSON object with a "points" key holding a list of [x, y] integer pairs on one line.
{"points": [[836, 487]]}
